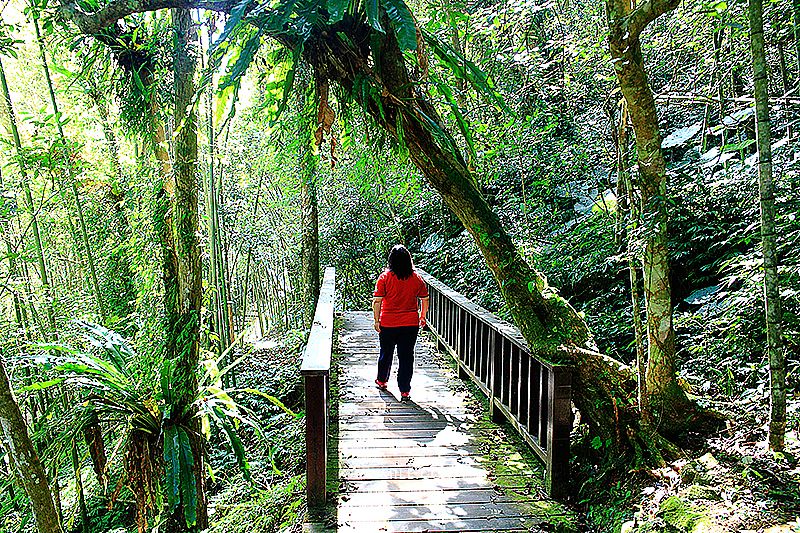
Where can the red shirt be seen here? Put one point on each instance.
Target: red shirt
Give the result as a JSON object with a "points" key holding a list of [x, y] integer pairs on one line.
{"points": [[399, 306]]}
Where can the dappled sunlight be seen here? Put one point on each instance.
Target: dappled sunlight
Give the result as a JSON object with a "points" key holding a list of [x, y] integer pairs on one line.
{"points": [[429, 464]]}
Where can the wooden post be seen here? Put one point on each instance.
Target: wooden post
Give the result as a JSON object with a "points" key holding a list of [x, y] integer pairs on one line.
{"points": [[559, 428], [316, 438], [316, 375]]}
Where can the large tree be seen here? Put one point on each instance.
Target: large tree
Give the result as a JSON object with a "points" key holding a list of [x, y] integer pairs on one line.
{"points": [[362, 48], [662, 398]]}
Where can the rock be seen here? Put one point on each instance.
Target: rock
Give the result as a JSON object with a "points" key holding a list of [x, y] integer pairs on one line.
{"points": [[708, 461], [685, 518], [703, 492], [695, 472]]}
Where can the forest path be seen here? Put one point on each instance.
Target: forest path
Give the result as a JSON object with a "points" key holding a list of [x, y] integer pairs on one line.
{"points": [[434, 464]]}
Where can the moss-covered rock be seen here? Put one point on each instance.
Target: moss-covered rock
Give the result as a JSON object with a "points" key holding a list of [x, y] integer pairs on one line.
{"points": [[704, 492], [683, 517]]}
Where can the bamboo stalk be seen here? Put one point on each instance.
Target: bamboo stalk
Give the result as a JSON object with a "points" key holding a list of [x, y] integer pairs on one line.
{"points": [[71, 177]]}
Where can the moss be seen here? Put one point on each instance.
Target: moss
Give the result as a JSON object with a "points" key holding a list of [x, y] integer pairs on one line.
{"points": [[681, 516], [703, 492]]}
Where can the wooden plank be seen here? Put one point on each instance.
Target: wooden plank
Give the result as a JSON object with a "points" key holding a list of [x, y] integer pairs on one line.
{"points": [[411, 471], [484, 525], [432, 464], [451, 497], [406, 485], [516, 467], [426, 451], [427, 510]]}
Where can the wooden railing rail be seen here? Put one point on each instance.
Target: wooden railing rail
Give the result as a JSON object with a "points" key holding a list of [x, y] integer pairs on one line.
{"points": [[531, 393], [315, 370]]}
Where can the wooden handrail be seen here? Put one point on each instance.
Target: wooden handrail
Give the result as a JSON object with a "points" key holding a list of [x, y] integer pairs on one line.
{"points": [[315, 370], [533, 394]]}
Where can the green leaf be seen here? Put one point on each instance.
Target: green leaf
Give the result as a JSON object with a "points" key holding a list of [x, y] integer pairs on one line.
{"points": [[336, 10], [402, 23], [465, 69], [236, 444], [272, 399], [288, 83], [466, 132], [172, 464], [243, 60], [232, 25], [374, 15], [188, 485], [40, 385]]}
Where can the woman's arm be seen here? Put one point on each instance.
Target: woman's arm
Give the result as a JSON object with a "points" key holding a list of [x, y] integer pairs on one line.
{"points": [[376, 312], [423, 311]]}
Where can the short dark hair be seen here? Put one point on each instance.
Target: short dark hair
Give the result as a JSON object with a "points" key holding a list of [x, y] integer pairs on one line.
{"points": [[400, 261]]}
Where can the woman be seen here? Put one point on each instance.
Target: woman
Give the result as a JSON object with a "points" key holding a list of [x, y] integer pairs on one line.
{"points": [[398, 317]]}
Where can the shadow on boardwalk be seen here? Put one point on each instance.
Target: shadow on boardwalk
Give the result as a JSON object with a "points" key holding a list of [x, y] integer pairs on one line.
{"points": [[434, 464]]}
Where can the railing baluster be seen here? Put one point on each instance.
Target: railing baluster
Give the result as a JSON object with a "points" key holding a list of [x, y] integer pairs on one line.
{"points": [[535, 381], [508, 355], [531, 393], [524, 383], [513, 397], [544, 404]]}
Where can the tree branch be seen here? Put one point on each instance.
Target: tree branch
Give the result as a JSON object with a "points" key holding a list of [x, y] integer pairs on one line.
{"points": [[646, 13], [92, 23]]}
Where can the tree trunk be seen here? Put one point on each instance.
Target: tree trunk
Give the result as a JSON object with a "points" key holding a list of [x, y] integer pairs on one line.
{"points": [[183, 303], [25, 462], [624, 178], [664, 400], [772, 302]]}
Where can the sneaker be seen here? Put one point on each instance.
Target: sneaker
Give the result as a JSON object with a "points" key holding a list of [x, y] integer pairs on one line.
{"points": [[380, 384], [405, 396]]}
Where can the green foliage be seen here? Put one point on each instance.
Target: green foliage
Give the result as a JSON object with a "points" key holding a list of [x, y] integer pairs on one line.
{"points": [[130, 408]]}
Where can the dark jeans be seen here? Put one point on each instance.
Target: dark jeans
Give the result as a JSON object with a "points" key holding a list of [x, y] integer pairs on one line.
{"points": [[404, 337]]}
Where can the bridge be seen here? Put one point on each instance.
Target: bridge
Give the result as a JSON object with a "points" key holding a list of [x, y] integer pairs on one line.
{"points": [[442, 462]]}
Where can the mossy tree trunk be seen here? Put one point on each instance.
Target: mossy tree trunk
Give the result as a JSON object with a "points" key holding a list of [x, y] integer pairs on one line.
{"points": [[25, 462], [766, 187], [664, 402], [184, 298]]}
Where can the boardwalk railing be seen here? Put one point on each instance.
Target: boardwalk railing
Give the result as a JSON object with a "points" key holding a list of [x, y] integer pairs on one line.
{"points": [[531, 393], [315, 370]]}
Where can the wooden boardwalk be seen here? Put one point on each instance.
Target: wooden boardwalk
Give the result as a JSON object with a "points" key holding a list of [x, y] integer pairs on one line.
{"points": [[434, 464]]}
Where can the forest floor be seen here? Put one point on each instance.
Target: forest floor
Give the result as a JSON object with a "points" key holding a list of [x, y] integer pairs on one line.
{"points": [[729, 483], [275, 500]]}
